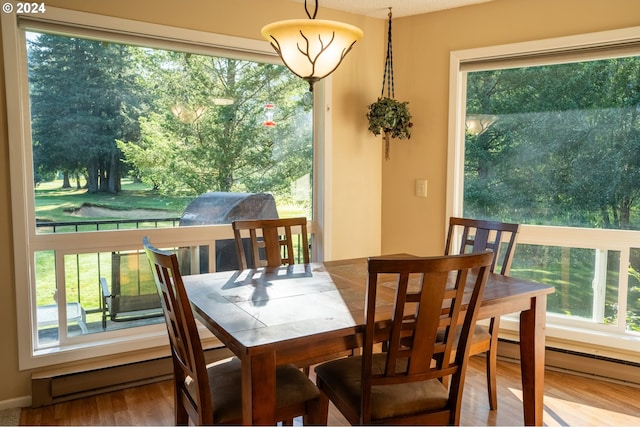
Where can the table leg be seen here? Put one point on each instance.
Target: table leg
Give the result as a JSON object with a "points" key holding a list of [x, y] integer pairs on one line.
{"points": [[532, 351], [259, 396]]}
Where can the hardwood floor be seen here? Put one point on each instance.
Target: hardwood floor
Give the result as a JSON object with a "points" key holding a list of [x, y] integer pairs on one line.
{"points": [[569, 400]]}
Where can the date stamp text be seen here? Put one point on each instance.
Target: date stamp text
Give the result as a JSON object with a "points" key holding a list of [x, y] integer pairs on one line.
{"points": [[24, 7]]}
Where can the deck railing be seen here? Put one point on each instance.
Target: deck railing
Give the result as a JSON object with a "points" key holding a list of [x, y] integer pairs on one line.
{"points": [[92, 269], [85, 294]]}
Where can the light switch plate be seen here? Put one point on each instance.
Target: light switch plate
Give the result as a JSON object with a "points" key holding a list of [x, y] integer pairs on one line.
{"points": [[421, 188]]}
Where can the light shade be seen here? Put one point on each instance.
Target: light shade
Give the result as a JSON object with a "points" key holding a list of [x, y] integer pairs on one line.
{"points": [[311, 48]]}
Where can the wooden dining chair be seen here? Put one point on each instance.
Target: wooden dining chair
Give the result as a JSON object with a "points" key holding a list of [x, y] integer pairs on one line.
{"points": [[271, 244], [212, 394], [402, 385], [271, 241], [478, 235]]}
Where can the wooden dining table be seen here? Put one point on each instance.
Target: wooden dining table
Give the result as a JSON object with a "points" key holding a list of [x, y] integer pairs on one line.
{"points": [[307, 313]]}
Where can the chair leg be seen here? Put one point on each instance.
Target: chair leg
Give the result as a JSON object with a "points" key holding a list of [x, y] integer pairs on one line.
{"points": [[491, 379], [182, 416], [317, 411], [492, 358]]}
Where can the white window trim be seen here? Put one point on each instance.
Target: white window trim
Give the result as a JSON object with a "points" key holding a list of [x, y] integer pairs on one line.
{"points": [[589, 338], [150, 339]]}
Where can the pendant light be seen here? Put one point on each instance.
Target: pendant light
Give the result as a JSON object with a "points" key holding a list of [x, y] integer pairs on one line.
{"points": [[311, 48]]}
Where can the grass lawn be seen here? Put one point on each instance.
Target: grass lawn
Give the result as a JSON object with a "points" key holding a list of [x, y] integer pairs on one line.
{"points": [[53, 203]]}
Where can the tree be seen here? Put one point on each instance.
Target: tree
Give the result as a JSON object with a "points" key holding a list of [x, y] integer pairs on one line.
{"points": [[208, 131], [83, 97], [565, 147]]}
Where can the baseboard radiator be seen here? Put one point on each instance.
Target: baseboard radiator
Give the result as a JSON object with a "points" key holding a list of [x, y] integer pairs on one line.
{"points": [[577, 363], [50, 387]]}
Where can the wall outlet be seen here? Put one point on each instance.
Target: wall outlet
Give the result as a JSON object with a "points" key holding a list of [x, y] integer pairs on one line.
{"points": [[421, 188]]}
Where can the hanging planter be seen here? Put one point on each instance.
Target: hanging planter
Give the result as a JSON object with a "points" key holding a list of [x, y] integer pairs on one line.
{"points": [[391, 118], [388, 116]]}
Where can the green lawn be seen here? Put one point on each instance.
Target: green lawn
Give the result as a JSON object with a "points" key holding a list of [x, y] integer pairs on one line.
{"points": [[53, 203]]}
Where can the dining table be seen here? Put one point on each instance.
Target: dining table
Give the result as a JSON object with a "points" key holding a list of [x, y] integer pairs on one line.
{"points": [[308, 313]]}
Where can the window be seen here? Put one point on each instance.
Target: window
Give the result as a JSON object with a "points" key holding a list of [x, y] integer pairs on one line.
{"points": [[140, 120], [547, 136]]}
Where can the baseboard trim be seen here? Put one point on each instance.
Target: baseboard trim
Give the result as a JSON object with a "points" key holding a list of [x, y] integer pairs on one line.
{"points": [[595, 366], [55, 387], [17, 402]]}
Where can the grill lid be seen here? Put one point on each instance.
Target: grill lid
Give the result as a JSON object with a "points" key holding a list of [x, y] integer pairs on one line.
{"points": [[223, 208]]}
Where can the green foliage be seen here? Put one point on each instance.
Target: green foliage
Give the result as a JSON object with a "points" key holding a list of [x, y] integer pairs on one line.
{"points": [[83, 97], [387, 115], [565, 148], [193, 143], [390, 117], [104, 110]]}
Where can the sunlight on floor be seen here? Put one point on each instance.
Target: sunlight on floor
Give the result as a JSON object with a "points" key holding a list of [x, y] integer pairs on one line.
{"points": [[580, 413]]}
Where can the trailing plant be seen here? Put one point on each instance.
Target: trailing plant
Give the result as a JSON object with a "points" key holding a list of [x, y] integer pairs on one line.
{"points": [[391, 118]]}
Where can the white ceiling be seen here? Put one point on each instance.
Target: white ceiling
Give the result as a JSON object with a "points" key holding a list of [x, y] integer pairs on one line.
{"points": [[380, 8]]}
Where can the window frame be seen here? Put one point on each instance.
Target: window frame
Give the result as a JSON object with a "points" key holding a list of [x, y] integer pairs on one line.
{"points": [[562, 332], [145, 340]]}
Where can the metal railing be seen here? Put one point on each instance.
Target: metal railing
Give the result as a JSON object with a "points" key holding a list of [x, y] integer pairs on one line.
{"points": [[110, 224]]}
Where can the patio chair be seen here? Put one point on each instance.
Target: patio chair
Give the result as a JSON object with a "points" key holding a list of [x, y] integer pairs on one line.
{"points": [[132, 295]]}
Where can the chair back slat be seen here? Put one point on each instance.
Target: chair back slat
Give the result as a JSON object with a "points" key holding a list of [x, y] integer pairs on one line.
{"points": [[271, 241], [479, 235], [430, 298]]}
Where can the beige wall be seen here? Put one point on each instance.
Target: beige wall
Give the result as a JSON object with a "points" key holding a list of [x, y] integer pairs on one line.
{"points": [[364, 220], [421, 58]]}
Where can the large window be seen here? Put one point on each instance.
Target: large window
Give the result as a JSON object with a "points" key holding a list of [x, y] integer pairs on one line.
{"points": [[121, 134], [552, 141]]}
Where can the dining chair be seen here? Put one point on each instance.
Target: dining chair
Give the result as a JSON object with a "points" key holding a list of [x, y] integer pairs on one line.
{"points": [[271, 244], [270, 241], [401, 385], [478, 235], [212, 394]]}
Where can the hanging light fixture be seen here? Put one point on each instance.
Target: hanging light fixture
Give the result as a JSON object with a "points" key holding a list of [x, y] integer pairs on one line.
{"points": [[311, 48]]}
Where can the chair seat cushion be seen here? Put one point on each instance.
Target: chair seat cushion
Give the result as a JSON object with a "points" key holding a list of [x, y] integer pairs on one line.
{"points": [[480, 334], [225, 379], [480, 337], [342, 377]]}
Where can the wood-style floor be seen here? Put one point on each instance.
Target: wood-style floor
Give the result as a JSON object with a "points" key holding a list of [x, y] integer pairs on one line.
{"points": [[569, 400]]}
